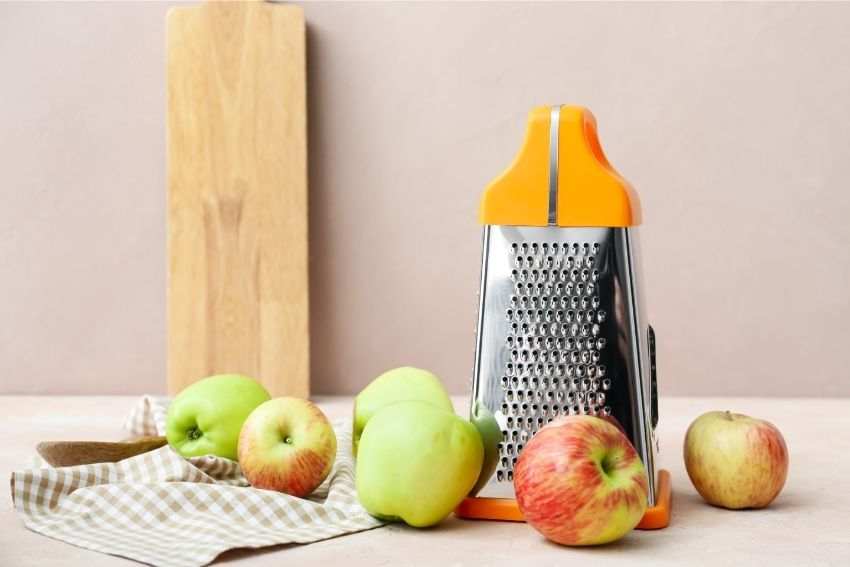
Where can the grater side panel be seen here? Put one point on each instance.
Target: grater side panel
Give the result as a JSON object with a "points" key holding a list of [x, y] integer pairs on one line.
{"points": [[629, 267], [482, 298], [557, 335]]}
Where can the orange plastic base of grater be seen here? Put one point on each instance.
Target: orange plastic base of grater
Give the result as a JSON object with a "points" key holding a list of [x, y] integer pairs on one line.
{"points": [[506, 509]]}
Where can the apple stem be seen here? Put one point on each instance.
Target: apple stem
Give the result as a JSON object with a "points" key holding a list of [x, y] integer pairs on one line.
{"points": [[729, 415], [606, 465]]}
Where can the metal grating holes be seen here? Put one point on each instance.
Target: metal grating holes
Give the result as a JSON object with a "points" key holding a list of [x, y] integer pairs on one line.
{"points": [[554, 343]]}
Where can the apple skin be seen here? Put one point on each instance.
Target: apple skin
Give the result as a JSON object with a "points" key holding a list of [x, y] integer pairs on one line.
{"points": [[735, 461], [579, 481], [288, 445], [207, 416], [416, 463], [397, 385], [491, 435]]}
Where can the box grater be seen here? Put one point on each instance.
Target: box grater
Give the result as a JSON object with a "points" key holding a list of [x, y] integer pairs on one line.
{"points": [[562, 328]]}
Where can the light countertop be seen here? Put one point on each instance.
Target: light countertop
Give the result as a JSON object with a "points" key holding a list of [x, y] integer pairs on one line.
{"points": [[809, 524]]}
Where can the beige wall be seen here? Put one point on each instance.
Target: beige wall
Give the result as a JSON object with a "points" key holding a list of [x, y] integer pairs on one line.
{"points": [[732, 120]]}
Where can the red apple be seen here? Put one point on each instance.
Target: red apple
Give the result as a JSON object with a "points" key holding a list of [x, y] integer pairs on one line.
{"points": [[288, 445], [735, 461], [579, 481]]}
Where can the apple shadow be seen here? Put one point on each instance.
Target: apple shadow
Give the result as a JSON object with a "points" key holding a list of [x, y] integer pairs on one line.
{"points": [[632, 542], [639, 540], [455, 524], [783, 503]]}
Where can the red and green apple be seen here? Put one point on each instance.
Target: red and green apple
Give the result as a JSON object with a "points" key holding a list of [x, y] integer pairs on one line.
{"points": [[579, 481], [288, 445]]}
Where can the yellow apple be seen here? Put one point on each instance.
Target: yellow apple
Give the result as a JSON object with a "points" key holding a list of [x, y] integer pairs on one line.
{"points": [[735, 461]]}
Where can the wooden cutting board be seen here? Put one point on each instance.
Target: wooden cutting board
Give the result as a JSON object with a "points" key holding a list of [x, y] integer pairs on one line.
{"points": [[237, 195]]}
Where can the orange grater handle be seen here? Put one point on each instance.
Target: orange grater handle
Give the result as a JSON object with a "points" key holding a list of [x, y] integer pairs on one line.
{"points": [[506, 509], [561, 177]]}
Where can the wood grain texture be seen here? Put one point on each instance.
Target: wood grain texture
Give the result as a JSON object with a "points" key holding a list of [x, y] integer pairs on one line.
{"points": [[73, 453], [237, 195]]}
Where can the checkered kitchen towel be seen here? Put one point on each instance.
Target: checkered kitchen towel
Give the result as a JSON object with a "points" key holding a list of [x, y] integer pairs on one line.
{"points": [[162, 509]]}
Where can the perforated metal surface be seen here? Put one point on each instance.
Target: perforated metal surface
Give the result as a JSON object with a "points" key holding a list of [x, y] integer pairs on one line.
{"points": [[557, 336], [554, 341]]}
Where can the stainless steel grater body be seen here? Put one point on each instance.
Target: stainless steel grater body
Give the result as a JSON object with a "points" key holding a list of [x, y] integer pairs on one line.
{"points": [[561, 331]]}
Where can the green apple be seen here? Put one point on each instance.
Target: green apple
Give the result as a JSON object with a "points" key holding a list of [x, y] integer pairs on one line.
{"points": [[206, 417], [397, 385], [491, 435], [416, 463]]}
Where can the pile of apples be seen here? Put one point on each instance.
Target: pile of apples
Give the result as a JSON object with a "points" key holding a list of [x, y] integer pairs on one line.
{"points": [[578, 481], [416, 459], [284, 444]]}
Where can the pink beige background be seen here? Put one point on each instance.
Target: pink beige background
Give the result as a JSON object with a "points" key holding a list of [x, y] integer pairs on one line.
{"points": [[732, 120]]}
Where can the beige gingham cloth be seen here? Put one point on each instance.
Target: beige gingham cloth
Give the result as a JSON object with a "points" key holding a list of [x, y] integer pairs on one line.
{"points": [[162, 509]]}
